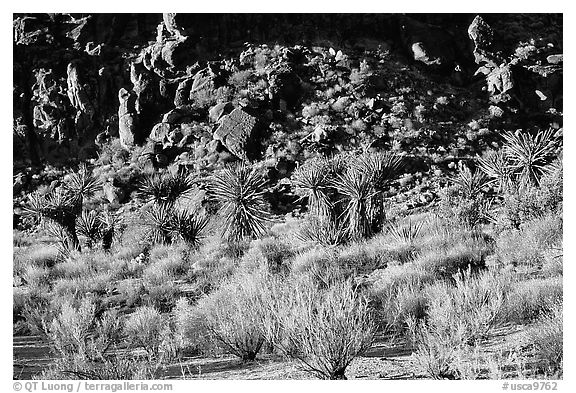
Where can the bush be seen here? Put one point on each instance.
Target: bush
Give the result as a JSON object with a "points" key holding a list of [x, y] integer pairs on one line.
{"points": [[528, 246], [324, 329], [398, 296], [166, 265], [472, 307], [233, 315], [76, 332], [144, 329], [270, 254], [532, 298], [547, 338], [459, 316], [456, 257]]}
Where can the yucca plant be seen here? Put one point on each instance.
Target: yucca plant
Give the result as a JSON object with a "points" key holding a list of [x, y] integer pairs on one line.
{"points": [[311, 181], [381, 168], [64, 243], [57, 207], [89, 226], [496, 166], [165, 188], [110, 228], [468, 182], [356, 190], [530, 154], [189, 227], [239, 191], [406, 233], [81, 185], [159, 219]]}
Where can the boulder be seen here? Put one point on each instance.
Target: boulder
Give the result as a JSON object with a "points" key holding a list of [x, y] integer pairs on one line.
{"points": [[159, 132], [217, 111], [428, 44], [127, 118], [236, 131]]}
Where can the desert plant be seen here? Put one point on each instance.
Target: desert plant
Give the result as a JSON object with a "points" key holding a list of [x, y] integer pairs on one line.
{"points": [[468, 182], [529, 154], [356, 190], [144, 328], [81, 185], [233, 315], [496, 166], [76, 332], [547, 338], [324, 329], [111, 225], [239, 191], [165, 188], [381, 168], [311, 181], [189, 227], [89, 226], [324, 231], [406, 233]]}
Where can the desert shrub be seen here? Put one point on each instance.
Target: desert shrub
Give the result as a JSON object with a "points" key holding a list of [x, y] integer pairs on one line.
{"points": [[397, 294], [546, 336], [37, 277], [362, 257], [324, 329], [76, 332], [459, 316], [113, 367], [20, 239], [472, 306], [464, 210], [161, 296], [38, 255], [189, 327], [166, 264], [322, 231], [95, 282], [320, 265], [270, 254], [528, 246], [529, 299], [239, 192], [454, 258], [233, 315], [144, 329], [215, 262]]}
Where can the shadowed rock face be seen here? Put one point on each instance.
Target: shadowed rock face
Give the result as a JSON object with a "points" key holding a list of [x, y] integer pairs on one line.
{"points": [[86, 77]]}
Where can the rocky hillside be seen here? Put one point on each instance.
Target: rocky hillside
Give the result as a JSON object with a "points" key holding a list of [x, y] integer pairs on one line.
{"points": [[139, 92]]}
